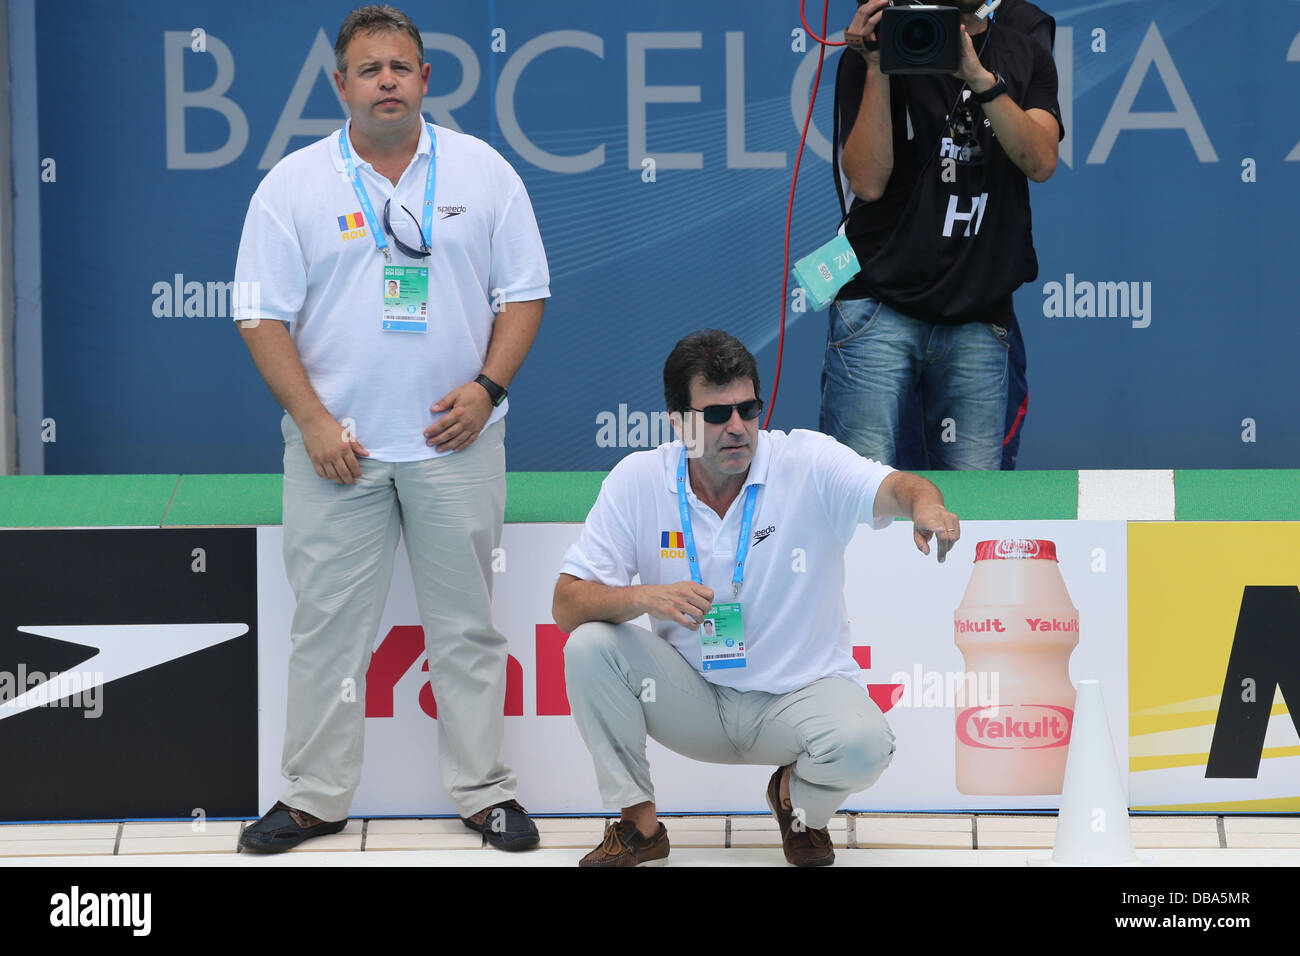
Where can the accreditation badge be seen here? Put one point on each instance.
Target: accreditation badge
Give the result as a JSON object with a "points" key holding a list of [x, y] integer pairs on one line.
{"points": [[406, 299], [722, 638]]}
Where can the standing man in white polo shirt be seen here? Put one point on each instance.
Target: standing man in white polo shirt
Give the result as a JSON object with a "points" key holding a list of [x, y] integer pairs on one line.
{"points": [[710, 525], [406, 262]]}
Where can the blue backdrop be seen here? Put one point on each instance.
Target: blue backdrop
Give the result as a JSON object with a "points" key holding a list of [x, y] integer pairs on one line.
{"points": [[1179, 180]]}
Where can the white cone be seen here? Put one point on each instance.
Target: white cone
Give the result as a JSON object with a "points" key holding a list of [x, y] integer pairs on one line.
{"points": [[1092, 828]]}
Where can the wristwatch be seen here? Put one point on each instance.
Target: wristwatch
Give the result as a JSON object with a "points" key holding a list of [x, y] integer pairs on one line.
{"points": [[495, 392], [993, 92]]}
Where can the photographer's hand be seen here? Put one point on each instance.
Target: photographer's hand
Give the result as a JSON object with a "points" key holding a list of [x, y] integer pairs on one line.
{"points": [[860, 34], [1028, 137], [868, 155], [970, 70]]}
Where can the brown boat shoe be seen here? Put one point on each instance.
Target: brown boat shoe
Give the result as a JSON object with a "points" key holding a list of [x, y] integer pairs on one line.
{"points": [[625, 846], [803, 845]]}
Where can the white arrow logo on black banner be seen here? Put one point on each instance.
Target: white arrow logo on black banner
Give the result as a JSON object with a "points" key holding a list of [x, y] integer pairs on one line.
{"points": [[124, 649]]}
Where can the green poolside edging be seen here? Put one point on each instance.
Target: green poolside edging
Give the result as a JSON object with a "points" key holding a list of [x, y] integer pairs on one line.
{"points": [[84, 501], [226, 500], [72, 501], [551, 495], [1009, 495], [975, 495], [1238, 495], [531, 496]]}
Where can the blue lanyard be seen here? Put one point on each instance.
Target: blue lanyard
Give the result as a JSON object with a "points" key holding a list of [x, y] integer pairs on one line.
{"points": [[688, 533], [367, 210]]}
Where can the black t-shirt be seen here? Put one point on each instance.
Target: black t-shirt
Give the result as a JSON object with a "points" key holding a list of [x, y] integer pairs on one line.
{"points": [[951, 238]]}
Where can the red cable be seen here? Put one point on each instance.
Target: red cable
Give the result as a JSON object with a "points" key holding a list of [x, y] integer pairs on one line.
{"points": [[789, 209], [822, 40], [1020, 417]]}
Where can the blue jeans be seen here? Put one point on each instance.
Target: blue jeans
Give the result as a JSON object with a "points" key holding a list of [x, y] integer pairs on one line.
{"points": [[910, 445], [1017, 399], [876, 357]]}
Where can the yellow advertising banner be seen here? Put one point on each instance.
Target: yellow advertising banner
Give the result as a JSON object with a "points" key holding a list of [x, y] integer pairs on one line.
{"points": [[1214, 647]]}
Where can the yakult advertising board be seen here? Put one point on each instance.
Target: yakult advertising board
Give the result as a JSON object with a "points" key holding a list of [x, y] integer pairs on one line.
{"points": [[986, 725], [904, 610], [1215, 664]]}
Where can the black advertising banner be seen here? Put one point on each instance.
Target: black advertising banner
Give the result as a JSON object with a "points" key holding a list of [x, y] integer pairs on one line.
{"points": [[128, 674]]}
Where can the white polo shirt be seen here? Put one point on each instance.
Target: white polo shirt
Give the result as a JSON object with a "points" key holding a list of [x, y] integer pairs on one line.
{"points": [[813, 494], [320, 271]]}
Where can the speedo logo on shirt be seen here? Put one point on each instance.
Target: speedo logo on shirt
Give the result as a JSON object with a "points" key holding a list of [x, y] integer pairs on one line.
{"points": [[672, 544], [352, 226], [762, 533], [449, 211]]}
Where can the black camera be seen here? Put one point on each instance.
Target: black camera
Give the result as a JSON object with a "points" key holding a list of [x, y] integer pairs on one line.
{"points": [[919, 39]]}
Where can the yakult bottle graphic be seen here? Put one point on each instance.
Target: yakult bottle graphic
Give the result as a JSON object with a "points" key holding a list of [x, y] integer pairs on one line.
{"points": [[1016, 625]]}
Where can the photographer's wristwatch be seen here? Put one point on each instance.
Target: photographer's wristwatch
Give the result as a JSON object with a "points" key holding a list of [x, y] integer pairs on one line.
{"points": [[993, 92], [495, 392]]}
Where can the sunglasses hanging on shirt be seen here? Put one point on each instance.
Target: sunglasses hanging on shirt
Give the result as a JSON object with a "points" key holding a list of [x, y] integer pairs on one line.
{"points": [[424, 251]]}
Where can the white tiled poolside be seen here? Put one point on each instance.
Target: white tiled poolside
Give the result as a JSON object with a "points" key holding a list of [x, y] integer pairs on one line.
{"points": [[736, 840]]}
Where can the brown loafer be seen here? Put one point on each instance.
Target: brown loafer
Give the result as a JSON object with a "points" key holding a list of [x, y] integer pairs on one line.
{"points": [[625, 846], [803, 846]]}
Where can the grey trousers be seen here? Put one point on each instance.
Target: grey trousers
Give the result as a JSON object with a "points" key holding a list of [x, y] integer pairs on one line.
{"points": [[625, 682], [339, 542]]}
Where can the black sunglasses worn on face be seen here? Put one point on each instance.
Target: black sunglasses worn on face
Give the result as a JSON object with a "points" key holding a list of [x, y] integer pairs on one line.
{"points": [[424, 251], [721, 414]]}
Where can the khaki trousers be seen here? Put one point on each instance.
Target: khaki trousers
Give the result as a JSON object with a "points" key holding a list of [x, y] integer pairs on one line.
{"points": [[625, 682], [339, 542]]}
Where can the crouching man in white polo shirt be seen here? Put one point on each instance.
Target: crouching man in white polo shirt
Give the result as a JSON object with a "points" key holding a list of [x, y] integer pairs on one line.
{"points": [[709, 525]]}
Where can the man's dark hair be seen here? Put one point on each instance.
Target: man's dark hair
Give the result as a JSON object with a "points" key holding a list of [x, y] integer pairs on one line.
{"points": [[715, 355], [369, 20]]}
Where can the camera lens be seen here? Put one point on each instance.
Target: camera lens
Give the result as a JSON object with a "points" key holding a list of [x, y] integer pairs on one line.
{"points": [[921, 36], [918, 36], [923, 39]]}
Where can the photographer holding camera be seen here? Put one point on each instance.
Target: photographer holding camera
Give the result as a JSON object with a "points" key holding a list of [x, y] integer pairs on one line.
{"points": [[938, 163]]}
